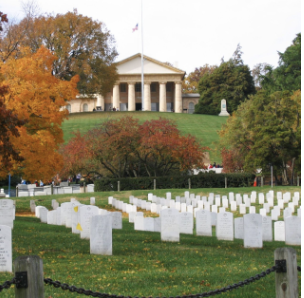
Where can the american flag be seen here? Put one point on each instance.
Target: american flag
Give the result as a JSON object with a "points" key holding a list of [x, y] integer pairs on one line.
{"points": [[136, 28]]}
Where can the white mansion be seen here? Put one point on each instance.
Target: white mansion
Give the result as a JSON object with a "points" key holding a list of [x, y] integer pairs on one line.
{"points": [[162, 90]]}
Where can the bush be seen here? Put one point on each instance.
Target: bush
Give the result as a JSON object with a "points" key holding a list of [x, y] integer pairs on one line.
{"points": [[202, 180]]}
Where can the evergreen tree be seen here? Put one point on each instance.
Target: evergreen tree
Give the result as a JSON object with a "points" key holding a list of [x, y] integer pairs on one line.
{"points": [[232, 81]]}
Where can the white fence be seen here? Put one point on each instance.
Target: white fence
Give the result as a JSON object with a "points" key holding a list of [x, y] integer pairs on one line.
{"points": [[31, 190]]}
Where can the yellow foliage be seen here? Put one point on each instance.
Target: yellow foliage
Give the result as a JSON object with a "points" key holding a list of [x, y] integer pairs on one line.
{"points": [[36, 95]]}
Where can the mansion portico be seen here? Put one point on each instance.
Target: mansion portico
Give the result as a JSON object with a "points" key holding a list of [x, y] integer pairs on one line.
{"points": [[162, 90]]}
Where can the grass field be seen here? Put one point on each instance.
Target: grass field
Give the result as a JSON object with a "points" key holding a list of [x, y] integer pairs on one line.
{"points": [[142, 265], [204, 127]]}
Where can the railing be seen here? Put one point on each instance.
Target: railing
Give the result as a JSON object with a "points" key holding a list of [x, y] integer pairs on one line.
{"points": [[286, 280], [31, 190]]}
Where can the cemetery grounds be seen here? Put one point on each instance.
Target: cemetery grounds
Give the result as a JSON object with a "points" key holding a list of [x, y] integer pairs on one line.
{"points": [[142, 265]]}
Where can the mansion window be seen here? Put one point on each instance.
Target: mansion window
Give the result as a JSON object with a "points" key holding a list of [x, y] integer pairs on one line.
{"points": [[169, 87], [123, 87], [138, 87], [153, 87]]}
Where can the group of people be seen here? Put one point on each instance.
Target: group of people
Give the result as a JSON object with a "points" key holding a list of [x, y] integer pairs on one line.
{"points": [[214, 166], [110, 109]]}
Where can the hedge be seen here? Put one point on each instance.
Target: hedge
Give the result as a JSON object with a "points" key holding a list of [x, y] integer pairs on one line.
{"points": [[202, 180]]}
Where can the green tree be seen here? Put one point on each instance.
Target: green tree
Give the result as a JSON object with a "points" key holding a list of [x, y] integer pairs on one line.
{"points": [[287, 76], [82, 46], [266, 129], [288, 73], [190, 83], [232, 80]]}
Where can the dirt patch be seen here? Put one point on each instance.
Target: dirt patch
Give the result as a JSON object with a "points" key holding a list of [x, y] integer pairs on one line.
{"points": [[25, 214]]}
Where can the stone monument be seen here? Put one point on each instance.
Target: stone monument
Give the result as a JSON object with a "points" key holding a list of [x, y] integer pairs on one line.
{"points": [[224, 108]]}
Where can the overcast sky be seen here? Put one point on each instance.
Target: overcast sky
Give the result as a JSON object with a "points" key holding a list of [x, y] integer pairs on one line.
{"points": [[190, 33]]}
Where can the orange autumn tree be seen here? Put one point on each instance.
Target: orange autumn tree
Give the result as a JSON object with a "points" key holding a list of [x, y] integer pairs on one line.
{"points": [[163, 150], [36, 97], [124, 148]]}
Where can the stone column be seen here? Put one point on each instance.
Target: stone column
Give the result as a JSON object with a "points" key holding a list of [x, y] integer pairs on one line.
{"points": [[100, 102], [131, 97], [116, 100], [162, 97], [147, 99], [178, 105]]}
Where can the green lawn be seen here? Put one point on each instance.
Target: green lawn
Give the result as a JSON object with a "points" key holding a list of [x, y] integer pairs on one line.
{"points": [[204, 127], [142, 265]]}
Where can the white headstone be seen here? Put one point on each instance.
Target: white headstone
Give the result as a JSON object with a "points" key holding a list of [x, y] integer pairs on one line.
{"points": [[190, 209], [183, 207], [274, 214], [149, 224], [132, 216], [281, 204], [224, 226], [206, 206], [233, 206], [279, 231], [293, 230], [75, 217], [213, 218], [239, 228], [7, 216], [51, 217], [261, 198], [5, 249], [186, 223], [225, 202], [157, 227], [267, 228], [231, 197], [287, 212], [66, 214], [116, 220], [252, 209], [253, 231], [217, 200], [101, 234], [263, 212], [58, 216], [266, 207], [43, 215], [92, 201], [291, 206], [139, 221], [85, 215], [203, 223], [153, 208], [242, 209], [169, 225]]}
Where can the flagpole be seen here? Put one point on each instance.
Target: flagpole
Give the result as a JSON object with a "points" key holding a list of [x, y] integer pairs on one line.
{"points": [[142, 60]]}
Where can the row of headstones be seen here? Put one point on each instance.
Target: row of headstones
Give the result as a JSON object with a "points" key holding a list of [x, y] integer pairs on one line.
{"points": [[89, 221], [192, 205], [80, 223], [187, 195], [233, 229], [185, 222]]}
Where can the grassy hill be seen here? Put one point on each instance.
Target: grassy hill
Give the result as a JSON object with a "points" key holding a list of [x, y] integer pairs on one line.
{"points": [[203, 127]]}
